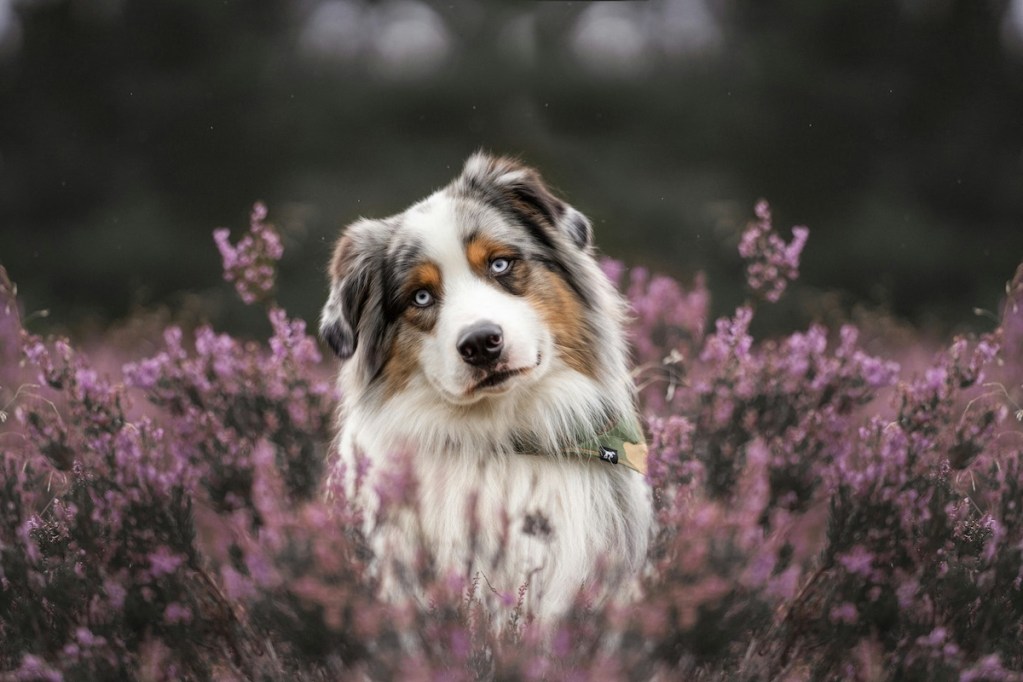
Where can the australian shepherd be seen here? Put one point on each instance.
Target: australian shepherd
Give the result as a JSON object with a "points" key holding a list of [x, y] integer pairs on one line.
{"points": [[485, 354]]}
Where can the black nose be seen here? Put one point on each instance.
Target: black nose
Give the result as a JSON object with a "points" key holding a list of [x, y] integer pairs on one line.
{"points": [[481, 344]]}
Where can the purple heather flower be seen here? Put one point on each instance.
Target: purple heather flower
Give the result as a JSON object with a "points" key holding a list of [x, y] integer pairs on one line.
{"points": [[937, 640], [33, 668], [235, 584], [115, 592], [770, 263], [876, 373], [845, 613], [460, 644], [989, 669], [35, 351], [857, 561], [730, 339], [251, 264], [222, 238], [144, 373], [163, 561], [175, 613], [86, 638]]}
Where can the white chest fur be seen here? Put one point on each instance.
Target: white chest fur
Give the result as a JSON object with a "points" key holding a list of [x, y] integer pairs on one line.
{"points": [[559, 524]]}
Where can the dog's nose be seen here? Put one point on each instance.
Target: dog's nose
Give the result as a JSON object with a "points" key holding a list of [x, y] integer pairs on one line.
{"points": [[481, 344]]}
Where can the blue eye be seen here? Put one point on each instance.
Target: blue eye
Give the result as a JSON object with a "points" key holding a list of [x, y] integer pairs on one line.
{"points": [[499, 266], [422, 298]]}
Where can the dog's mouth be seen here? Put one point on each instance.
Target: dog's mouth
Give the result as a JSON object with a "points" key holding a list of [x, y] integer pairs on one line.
{"points": [[498, 378]]}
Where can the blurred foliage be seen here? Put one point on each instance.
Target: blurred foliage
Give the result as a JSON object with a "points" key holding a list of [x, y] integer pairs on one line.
{"points": [[129, 129]]}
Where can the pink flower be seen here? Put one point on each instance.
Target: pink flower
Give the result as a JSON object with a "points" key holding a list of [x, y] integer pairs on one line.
{"points": [[857, 560], [175, 613], [770, 263], [164, 562], [845, 613], [251, 263]]}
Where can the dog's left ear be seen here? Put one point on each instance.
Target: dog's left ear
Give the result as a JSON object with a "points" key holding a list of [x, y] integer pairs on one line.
{"points": [[521, 191], [578, 227]]}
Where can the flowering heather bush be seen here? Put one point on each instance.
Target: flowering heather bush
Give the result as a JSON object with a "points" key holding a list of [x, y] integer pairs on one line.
{"points": [[822, 513]]}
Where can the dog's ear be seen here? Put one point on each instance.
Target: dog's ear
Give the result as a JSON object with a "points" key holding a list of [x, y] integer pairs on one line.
{"points": [[520, 191], [348, 292], [578, 227], [356, 274]]}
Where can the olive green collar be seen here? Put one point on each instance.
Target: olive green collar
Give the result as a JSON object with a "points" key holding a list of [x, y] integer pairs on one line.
{"points": [[621, 442]]}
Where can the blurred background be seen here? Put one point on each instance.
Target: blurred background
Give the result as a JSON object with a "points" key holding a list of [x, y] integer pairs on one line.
{"points": [[129, 129]]}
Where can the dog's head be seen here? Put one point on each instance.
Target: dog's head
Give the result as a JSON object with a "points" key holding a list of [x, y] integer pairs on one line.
{"points": [[481, 288]]}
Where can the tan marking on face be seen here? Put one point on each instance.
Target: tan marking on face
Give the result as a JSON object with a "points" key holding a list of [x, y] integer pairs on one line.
{"points": [[480, 251], [563, 312], [413, 324], [424, 276], [403, 360]]}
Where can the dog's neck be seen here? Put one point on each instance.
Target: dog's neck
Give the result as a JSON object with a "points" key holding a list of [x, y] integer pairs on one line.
{"points": [[563, 408]]}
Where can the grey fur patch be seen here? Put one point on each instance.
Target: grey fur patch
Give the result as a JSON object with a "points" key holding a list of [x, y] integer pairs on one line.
{"points": [[353, 316]]}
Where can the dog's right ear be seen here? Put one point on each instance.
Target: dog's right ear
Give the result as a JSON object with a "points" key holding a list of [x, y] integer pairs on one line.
{"points": [[339, 318], [351, 280]]}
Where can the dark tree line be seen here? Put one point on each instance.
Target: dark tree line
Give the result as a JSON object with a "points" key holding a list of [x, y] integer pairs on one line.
{"points": [[128, 130]]}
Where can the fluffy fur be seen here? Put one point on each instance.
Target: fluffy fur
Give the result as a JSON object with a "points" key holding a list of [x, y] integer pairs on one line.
{"points": [[494, 248]]}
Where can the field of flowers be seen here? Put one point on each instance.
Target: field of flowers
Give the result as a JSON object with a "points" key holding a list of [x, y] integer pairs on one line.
{"points": [[824, 513]]}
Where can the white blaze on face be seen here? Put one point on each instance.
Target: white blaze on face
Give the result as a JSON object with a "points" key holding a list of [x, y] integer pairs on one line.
{"points": [[467, 299]]}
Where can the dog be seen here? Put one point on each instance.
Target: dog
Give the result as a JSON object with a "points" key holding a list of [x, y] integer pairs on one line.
{"points": [[484, 351]]}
